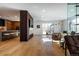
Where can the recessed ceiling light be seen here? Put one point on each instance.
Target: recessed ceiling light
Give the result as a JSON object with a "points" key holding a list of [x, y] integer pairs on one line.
{"points": [[16, 16], [61, 16], [42, 16], [43, 10]]}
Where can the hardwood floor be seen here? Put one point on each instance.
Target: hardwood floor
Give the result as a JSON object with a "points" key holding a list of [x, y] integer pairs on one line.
{"points": [[36, 46]]}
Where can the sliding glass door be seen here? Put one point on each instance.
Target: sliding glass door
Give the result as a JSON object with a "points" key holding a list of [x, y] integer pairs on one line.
{"points": [[73, 17], [77, 16]]}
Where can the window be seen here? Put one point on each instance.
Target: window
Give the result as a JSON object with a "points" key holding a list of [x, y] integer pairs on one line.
{"points": [[46, 27], [73, 17]]}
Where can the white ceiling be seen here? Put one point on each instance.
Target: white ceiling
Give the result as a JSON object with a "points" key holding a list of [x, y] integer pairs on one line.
{"points": [[41, 11]]}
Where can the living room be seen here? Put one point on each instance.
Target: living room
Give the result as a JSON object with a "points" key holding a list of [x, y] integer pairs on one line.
{"points": [[37, 28]]}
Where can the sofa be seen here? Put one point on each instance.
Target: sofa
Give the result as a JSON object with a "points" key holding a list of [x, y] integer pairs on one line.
{"points": [[72, 44], [9, 34]]}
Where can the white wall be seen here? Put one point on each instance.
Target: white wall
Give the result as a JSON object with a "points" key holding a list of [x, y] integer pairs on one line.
{"points": [[59, 26], [37, 31]]}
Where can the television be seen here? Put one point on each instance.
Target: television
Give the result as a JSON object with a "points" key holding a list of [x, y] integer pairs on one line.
{"points": [[2, 22]]}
